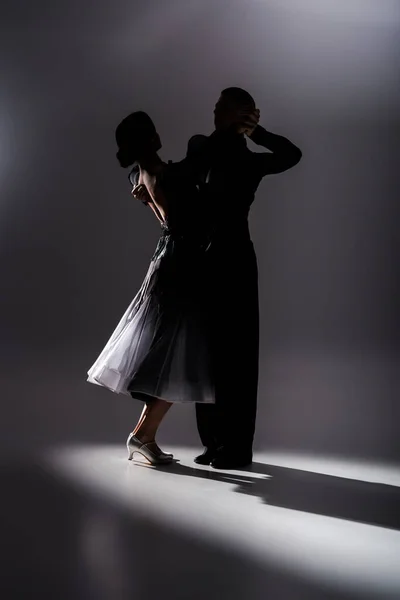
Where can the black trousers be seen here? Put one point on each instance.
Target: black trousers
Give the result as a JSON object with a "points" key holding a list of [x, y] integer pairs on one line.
{"points": [[234, 330]]}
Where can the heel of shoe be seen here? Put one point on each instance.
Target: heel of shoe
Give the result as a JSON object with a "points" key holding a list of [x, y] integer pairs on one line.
{"points": [[150, 451]]}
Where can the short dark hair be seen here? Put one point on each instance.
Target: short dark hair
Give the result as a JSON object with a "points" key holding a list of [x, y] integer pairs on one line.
{"points": [[130, 134], [239, 96]]}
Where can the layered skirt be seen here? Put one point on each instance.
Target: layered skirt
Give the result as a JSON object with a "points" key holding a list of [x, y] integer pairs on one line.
{"points": [[161, 345]]}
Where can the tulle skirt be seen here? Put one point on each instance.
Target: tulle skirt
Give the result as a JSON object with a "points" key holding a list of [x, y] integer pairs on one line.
{"points": [[160, 347]]}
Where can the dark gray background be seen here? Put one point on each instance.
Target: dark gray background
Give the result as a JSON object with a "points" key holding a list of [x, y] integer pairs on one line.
{"points": [[75, 246]]}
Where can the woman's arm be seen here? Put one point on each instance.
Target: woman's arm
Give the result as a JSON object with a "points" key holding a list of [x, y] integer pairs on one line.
{"points": [[283, 154], [156, 194], [146, 189], [139, 192], [156, 212]]}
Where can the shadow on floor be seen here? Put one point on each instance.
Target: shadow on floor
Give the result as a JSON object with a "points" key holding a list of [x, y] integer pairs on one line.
{"points": [[58, 542], [349, 499]]}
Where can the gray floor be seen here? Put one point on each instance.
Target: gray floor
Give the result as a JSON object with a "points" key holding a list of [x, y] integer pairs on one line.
{"points": [[85, 523]]}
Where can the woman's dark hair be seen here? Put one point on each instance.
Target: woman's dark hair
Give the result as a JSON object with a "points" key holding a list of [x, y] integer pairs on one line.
{"points": [[239, 96], [131, 134]]}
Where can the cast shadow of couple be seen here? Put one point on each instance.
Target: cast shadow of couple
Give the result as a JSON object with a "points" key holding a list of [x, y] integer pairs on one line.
{"points": [[300, 490]]}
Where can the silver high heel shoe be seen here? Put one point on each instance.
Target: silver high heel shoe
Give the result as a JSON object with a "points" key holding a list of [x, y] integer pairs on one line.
{"points": [[150, 451]]}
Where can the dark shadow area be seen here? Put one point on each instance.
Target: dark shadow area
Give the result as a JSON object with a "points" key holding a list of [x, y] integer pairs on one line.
{"points": [[339, 497], [59, 542]]}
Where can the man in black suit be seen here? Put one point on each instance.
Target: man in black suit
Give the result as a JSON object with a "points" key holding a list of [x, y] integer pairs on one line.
{"points": [[228, 184]]}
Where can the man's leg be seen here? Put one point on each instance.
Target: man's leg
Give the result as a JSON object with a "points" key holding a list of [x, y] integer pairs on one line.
{"points": [[206, 418], [238, 419], [239, 384]]}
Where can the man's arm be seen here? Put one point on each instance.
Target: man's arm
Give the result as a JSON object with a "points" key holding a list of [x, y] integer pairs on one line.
{"points": [[203, 151], [283, 154]]}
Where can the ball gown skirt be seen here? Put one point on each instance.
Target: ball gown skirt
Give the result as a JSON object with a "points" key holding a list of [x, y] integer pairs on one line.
{"points": [[160, 347]]}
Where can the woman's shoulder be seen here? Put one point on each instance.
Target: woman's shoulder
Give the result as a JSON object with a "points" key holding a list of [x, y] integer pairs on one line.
{"points": [[176, 173], [171, 169]]}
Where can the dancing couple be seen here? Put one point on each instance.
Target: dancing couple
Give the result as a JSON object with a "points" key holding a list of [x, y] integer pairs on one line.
{"points": [[191, 333]]}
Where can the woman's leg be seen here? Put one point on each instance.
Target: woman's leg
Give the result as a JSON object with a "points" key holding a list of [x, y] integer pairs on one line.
{"points": [[153, 413]]}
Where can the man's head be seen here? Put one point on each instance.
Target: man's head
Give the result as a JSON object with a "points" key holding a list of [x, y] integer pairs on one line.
{"points": [[231, 100]]}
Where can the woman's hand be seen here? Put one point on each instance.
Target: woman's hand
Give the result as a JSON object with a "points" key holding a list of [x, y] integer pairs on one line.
{"points": [[248, 120], [139, 192]]}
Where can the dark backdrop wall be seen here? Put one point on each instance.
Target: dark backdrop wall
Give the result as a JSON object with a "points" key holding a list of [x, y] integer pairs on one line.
{"points": [[75, 246]]}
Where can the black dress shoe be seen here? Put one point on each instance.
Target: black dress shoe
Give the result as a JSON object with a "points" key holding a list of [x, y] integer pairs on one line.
{"points": [[205, 459], [225, 460]]}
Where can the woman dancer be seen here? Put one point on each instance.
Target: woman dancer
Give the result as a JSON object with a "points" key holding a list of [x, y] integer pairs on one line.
{"points": [[158, 352]]}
